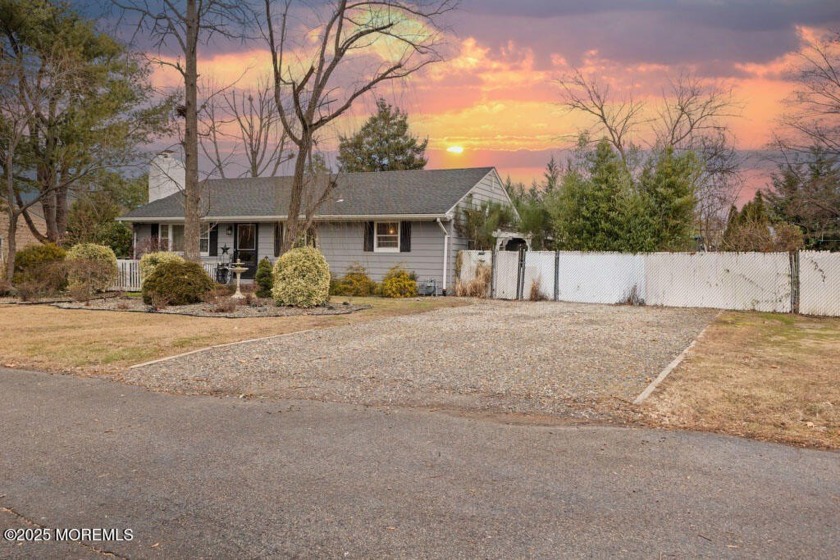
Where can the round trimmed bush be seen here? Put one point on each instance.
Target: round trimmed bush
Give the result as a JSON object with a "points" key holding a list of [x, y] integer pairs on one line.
{"points": [[91, 267], [176, 283], [399, 283], [150, 261], [31, 261], [301, 278], [355, 282]]}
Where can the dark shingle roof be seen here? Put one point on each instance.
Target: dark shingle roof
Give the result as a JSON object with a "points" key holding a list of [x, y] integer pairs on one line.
{"points": [[389, 193]]}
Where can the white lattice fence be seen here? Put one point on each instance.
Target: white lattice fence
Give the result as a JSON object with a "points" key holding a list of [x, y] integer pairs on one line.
{"points": [[743, 281], [601, 277], [819, 283], [740, 281]]}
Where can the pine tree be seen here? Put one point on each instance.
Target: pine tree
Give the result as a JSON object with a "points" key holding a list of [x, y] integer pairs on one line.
{"points": [[383, 144]]}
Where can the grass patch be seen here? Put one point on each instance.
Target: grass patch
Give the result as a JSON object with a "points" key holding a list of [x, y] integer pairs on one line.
{"points": [[51, 339], [763, 375]]}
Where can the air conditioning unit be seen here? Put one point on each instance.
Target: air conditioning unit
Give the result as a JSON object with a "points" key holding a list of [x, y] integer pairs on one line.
{"points": [[427, 287]]}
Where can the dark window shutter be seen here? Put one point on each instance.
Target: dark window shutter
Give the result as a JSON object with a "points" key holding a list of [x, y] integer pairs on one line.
{"points": [[278, 238], [368, 236], [405, 237], [214, 241], [155, 231]]}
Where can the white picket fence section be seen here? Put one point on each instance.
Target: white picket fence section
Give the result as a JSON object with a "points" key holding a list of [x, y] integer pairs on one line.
{"points": [[743, 281], [130, 280], [737, 281], [819, 283]]}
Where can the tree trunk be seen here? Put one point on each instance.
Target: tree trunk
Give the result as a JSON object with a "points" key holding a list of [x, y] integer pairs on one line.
{"points": [[11, 244], [60, 214], [192, 195], [296, 196]]}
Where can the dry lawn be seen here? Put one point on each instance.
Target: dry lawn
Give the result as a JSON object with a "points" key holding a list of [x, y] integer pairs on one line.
{"points": [[95, 342], [762, 375]]}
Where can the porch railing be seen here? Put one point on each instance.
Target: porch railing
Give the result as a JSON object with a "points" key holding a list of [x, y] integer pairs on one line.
{"points": [[130, 280]]}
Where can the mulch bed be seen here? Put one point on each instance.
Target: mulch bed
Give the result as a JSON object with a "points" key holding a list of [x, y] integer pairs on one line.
{"points": [[257, 308]]}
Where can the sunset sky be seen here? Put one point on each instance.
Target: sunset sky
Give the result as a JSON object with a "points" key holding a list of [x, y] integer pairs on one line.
{"points": [[497, 96]]}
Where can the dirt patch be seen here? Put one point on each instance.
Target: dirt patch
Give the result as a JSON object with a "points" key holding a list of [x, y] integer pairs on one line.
{"points": [[761, 375]]}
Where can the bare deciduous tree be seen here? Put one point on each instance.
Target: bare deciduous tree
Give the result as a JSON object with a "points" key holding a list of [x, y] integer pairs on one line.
{"points": [[613, 119], [183, 28], [247, 121], [356, 46], [813, 117]]}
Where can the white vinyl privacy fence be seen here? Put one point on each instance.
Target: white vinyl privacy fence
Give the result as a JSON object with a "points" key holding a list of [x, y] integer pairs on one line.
{"points": [[806, 282], [819, 283], [746, 281]]}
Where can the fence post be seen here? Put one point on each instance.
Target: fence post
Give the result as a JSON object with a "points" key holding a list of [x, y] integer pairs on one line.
{"points": [[520, 274], [794, 281], [556, 275], [493, 270]]}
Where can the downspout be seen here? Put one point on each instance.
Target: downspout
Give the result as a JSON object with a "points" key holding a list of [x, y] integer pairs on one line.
{"points": [[445, 253]]}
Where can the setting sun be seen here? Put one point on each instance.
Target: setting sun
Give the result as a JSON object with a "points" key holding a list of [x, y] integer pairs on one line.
{"points": [[455, 149]]}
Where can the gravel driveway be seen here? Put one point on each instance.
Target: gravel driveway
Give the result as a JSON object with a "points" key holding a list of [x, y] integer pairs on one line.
{"points": [[553, 358]]}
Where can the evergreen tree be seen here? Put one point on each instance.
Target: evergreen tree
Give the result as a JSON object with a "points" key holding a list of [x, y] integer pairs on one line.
{"points": [[666, 201], [752, 229], [807, 194], [92, 102], [383, 144], [600, 206], [590, 212]]}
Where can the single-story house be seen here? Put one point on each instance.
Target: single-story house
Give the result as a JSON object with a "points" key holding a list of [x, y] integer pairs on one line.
{"points": [[376, 220]]}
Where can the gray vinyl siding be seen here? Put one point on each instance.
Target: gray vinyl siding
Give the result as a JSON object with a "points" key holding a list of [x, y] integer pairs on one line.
{"points": [[265, 241], [343, 245], [489, 188], [142, 235]]}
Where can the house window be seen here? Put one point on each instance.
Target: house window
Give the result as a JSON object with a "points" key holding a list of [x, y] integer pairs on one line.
{"points": [[176, 238], [172, 238], [163, 237], [204, 240], [387, 238]]}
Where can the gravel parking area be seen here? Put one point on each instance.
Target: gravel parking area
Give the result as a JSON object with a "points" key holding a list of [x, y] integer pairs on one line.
{"points": [[549, 358]]}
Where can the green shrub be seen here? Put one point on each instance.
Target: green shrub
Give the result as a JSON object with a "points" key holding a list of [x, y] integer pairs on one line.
{"points": [[399, 283], [150, 261], [355, 282], [176, 283], [32, 259], [117, 236], [264, 278], [91, 268], [45, 280], [301, 278]]}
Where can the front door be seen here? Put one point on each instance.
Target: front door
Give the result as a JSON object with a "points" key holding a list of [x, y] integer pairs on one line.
{"points": [[245, 248]]}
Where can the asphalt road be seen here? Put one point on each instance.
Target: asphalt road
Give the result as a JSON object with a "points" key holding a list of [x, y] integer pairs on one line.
{"points": [[204, 477]]}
